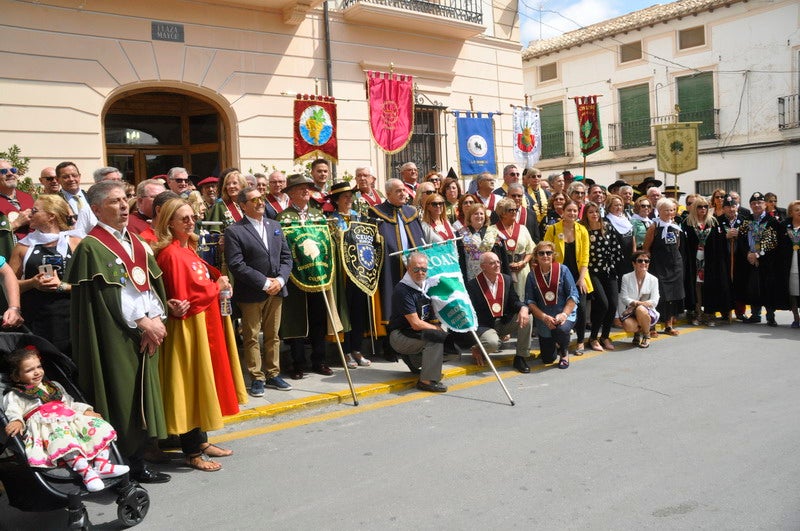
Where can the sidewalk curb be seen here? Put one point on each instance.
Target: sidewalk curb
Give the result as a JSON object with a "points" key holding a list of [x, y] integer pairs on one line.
{"points": [[390, 386]]}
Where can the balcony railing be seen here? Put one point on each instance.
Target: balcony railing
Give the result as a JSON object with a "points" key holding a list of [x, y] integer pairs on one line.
{"points": [[789, 112], [556, 145], [465, 10], [638, 133]]}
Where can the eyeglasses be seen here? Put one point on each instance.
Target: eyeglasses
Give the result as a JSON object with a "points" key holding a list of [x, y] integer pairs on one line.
{"points": [[419, 269], [180, 180], [468, 203], [188, 219], [512, 210], [642, 261], [514, 174], [518, 196], [256, 200], [544, 253], [645, 206], [34, 210], [437, 203], [50, 179], [429, 192], [578, 193], [434, 180], [702, 206], [6, 171]]}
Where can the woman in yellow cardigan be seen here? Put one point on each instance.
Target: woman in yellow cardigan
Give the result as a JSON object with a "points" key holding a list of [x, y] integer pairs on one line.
{"points": [[571, 240]]}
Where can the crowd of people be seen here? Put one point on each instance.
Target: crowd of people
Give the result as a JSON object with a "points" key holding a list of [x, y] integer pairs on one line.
{"points": [[158, 291]]}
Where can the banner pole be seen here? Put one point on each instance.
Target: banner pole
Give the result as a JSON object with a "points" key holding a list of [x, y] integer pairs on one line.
{"points": [[372, 330], [489, 360], [339, 346]]}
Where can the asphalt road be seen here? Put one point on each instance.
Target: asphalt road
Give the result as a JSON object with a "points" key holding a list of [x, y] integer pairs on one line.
{"points": [[696, 432]]}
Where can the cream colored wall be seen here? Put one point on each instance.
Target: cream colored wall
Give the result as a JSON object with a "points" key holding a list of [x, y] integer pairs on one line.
{"points": [[62, 63]]}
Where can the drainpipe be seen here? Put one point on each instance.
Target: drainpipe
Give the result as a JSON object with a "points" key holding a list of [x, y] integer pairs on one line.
{"points": [[328, 63]]}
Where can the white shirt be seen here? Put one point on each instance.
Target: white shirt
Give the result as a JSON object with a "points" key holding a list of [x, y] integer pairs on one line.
{"points": [[135, 304], [261, 230]]}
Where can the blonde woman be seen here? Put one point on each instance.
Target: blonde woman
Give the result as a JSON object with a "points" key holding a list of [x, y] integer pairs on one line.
{"points": [[227, 210], [515, 240], [435, 225]]}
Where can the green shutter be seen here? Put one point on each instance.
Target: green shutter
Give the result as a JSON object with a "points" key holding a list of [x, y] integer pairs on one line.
{"points": [[696, 100], [552, 118], [634, 116]]}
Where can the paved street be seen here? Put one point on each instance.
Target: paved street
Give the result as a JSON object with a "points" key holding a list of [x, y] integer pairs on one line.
{"points": [[698, 431]]}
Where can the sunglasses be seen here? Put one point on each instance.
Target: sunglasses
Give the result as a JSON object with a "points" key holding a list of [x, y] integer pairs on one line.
{"points": [[187, 219], [544, 253], [419, 269], [512, 211], [180, 180], [702, 206], [256, 200], [642, 261], [645, 206], [468, 203], [429, 192], [513, 174], [6, 171], [437, 203], [518, 196]]}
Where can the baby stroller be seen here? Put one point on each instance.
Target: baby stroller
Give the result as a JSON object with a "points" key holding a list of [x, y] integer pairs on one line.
{"points": [[47, 489]]}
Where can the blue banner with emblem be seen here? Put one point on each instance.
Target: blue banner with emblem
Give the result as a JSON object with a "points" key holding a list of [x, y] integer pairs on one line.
{"points": [[476, 153]]}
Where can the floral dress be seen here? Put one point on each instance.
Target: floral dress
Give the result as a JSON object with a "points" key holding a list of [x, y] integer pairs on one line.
{"points": [[55, 424]]}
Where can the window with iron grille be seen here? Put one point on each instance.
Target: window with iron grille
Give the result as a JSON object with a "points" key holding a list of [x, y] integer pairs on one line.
{"points": [[424, 148], [705, 188]]}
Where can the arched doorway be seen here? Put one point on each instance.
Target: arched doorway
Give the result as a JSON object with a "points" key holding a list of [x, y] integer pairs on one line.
{"points": [[149, 132]]}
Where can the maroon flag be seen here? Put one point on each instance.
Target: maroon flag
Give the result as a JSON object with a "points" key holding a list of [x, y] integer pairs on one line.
{"points": [[315, 128], [589, 124], [391, 109]]}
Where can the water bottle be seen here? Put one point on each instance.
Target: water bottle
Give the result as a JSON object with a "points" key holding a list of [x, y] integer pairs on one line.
{"points": [[225, 302]]}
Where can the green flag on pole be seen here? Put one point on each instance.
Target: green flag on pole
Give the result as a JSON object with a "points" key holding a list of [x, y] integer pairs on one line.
{"points": [[310, 245], [446, 287]]}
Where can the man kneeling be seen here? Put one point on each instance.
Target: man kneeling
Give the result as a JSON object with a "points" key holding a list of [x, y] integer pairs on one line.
{"points": [[411, 334], [499, 312]]}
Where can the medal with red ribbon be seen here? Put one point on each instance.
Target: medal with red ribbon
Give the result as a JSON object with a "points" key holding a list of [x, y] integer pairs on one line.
{"points": [[496, 302], [547, 288], [511, 238]]}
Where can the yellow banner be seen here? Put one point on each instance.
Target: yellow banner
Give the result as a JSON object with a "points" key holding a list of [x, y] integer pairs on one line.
{"points": [[676, 147]]}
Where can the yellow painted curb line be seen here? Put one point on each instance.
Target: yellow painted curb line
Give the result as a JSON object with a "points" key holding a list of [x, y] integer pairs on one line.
{"points": [[391, 386]]}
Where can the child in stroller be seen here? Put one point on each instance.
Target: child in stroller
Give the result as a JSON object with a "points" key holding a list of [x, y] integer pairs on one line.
{"points": [[56, 427], [33, 489]]}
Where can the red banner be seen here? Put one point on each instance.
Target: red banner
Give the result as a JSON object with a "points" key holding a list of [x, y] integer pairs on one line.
{"points": [[315, 128], [588, 124], [391, 110]]}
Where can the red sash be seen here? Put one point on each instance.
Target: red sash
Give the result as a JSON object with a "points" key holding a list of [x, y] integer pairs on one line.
{"points": [[136, 267], [512, 239], [496, 303], [372, 198], [489, 204], [447, 234], [522, 216], [548, 290], [274, 203], [233, 208]]}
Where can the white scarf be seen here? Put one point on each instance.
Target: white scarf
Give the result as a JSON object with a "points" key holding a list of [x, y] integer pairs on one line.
{"points": [[408, 281], [665, 227], [38, 237], [646, 221], [621, 224]]}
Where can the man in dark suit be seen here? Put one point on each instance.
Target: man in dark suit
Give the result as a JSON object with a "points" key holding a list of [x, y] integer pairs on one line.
{"points": [[499, 312], [260, 262]]}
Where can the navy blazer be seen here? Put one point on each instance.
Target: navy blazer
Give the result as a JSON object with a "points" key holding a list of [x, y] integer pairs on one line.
{"points": [[249, 262], [483, 313]]}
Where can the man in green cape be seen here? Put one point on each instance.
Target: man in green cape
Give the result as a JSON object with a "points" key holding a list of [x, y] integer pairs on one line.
{"points": [[116, 327]]}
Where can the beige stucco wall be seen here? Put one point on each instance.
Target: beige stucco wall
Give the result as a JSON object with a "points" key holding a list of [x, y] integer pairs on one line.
{"points": [[63, 60]]}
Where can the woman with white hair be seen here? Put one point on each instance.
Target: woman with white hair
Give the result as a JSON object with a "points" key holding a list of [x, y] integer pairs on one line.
{"points": [[665, 241]]}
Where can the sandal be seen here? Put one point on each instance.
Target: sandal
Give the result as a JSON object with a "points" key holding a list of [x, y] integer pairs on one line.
{"points": [[671, 331], [563, 363], [595, 345], [202, 463], [607, 344], [361, 360], [645, 343], [579, 349], [216, 451], [637, 339], [351, 363]]}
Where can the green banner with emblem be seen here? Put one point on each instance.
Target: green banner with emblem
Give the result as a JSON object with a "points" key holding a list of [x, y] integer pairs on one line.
{"points": [[312, 255]]}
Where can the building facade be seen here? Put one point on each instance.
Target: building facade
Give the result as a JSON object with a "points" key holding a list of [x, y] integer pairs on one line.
{"points": [[148, 85], [732, 65]]}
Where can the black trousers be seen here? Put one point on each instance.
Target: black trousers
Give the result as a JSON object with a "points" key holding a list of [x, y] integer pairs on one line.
{"points": [[358, 312], [192, 441], [317, 327], [604, 304]]}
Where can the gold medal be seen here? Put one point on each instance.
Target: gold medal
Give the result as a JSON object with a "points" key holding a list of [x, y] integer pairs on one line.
{"points": [[496, 308], [138, 275]]}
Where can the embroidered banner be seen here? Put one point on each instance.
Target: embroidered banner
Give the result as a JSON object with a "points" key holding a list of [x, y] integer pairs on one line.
{"points": [[446, 287], [588, 125], [315, 128], [391, 109], [676, 147], [310, 245], [476, 152], [527, 136], [361, 250]]}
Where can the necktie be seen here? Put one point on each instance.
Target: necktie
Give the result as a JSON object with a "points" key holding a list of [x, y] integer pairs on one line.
{"points": [[79, 202]]}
